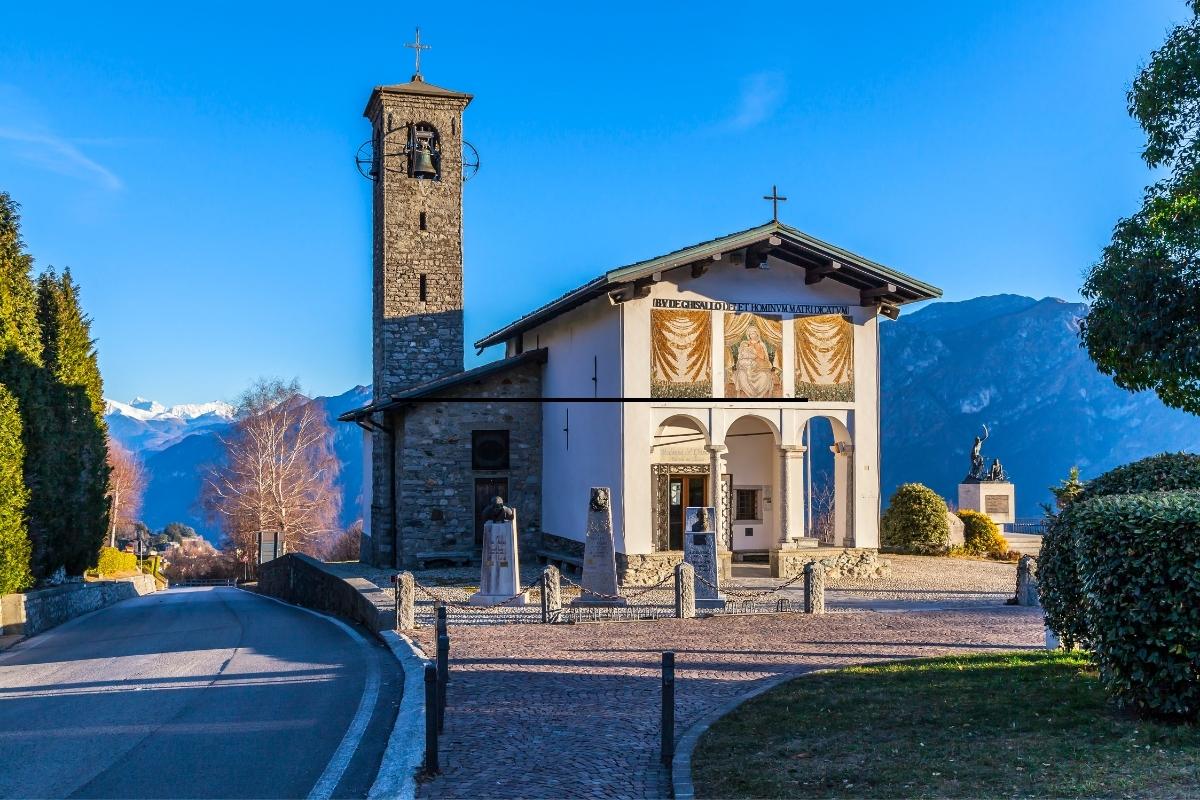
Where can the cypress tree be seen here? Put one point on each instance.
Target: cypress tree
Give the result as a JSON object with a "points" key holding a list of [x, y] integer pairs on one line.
{"points": [[21, 375], [15, 548], [73, 501]]}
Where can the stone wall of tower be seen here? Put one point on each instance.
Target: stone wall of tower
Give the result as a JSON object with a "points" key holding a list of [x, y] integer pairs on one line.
{"points": [[416, 340]]}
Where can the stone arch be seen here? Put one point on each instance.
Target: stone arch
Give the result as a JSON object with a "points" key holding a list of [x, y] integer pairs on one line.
{"points": [[680, 463], [771, 424], [829, 471]]}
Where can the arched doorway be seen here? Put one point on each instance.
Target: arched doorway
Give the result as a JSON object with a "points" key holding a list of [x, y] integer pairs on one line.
{"points": [[752, 466], [680, 471]]}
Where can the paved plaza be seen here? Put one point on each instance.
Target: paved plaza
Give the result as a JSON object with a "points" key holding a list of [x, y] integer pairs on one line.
{"points": [[573, 710]]}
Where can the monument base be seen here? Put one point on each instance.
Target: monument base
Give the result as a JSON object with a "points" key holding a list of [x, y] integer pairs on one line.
{"points": [[997, 499], [715, 602], [481, 599], [799, 543], [585, 601]]}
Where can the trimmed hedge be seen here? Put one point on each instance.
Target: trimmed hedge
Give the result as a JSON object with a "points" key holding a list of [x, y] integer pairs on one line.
{"points": [[1141, 590], [915, 521], [1060, 586], [113, 561], [981, 537]]}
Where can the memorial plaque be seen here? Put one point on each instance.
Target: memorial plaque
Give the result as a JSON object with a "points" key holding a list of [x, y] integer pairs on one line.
{"points": [[599, 579], [700, 550], [499, 579], [995, 504]]}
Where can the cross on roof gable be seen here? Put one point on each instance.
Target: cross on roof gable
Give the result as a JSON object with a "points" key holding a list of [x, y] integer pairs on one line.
{"points": [[818, 259]]}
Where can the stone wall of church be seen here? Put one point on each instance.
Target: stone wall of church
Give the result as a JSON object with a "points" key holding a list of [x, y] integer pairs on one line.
{"points": [[435, 481]]}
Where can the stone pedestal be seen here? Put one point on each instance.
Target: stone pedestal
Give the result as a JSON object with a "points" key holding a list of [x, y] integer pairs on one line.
{"points": [[997, 499], [700, 551], [685, 591], [499, 576], [599, 580]]}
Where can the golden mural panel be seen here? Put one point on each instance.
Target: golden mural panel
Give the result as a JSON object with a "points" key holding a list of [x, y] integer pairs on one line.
{"points": [[680, 353], [825, 358], [753, 355]]}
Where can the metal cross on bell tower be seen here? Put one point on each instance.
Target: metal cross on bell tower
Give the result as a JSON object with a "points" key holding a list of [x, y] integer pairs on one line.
{"points": [[418, 47], [775, 201]]}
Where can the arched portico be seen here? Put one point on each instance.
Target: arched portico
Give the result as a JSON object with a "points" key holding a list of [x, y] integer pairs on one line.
{"points": [[680, 469], [828, 490]]}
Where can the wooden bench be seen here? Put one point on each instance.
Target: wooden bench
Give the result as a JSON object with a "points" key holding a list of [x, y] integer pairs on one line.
{"points": [[455, 557], [560, 559]]}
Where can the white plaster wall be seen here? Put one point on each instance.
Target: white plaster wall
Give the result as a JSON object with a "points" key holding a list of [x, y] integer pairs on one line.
{"points": [[752, 461], [589, 455]]}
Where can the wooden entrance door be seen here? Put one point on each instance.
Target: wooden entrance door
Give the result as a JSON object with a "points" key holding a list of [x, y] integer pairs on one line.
{"points": [[683, 491], [485, 490]]}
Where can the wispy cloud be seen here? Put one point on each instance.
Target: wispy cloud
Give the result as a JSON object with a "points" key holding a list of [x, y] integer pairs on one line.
{"points": [[761, 96], [58, 154]]}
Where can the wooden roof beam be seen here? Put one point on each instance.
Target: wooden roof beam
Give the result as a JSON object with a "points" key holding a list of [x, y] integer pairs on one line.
{"points": [[817, 274], [873, 296]]}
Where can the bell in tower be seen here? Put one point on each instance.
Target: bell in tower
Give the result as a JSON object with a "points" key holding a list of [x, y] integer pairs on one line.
{"points": [[424, 152]]}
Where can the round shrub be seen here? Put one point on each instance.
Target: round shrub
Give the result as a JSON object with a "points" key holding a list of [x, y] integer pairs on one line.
{"points": [[1162, 473], [114, 562], [1141, 593], [1059, 581], [915, 521], [981, 537]]}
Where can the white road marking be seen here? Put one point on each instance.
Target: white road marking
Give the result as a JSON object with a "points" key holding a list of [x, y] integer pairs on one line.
{"points": [[336, 768]]}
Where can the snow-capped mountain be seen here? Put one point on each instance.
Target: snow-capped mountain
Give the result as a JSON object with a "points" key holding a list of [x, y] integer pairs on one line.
{"points": [[147, 426], [176, 444]]}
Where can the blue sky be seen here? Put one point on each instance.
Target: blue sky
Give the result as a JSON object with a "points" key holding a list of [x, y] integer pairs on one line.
{"points": [[193, 164]]}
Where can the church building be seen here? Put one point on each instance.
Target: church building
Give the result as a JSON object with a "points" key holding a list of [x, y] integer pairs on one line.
{"points": [[690, 379]]}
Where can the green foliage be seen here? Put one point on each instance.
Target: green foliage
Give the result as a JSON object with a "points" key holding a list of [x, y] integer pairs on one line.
{"points": [[1068, 490], [177, 532], [70, 477], [1145, 292], [19, 337], [113, 562], [1060, 584], [1161, 473], [915, 521], [981, 537], [16, 552], [1141, 594]]}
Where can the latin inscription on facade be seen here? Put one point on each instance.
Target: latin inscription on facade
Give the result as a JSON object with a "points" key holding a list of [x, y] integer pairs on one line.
{"points": [[750, 308]]}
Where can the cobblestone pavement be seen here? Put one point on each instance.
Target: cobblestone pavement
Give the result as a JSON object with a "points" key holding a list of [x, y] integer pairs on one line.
{"points": [[557, 711]]}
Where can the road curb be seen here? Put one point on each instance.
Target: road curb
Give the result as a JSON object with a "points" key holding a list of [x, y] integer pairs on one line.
{"points": [[405, 752], [681, 762]]}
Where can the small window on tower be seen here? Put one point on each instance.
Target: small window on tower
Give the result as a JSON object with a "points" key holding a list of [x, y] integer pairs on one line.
{"points": [[423, 221], [422, 288]]}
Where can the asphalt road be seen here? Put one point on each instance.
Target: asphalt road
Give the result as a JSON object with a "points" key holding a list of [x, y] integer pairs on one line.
{"points": [[207, 692]]}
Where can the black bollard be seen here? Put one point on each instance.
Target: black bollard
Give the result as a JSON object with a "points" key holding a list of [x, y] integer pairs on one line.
{"points": [[443, 676], [431, 728], [545, 598], [441, 620], [668, 707]]}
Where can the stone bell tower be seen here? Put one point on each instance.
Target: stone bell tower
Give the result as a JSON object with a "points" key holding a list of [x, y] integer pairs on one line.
{"points": [[417, 168], [416, 165]]}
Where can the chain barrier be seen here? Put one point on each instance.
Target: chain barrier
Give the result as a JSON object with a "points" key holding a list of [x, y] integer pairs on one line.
{"points": [[745, 593], [432, 595], [646, 590]]}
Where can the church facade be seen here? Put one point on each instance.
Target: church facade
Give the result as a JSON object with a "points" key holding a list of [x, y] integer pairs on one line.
{"points": [[692, 379]]}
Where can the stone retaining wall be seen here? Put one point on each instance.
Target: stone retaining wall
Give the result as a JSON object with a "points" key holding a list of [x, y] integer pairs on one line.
{"points": [[31, 613], [300, 579]]}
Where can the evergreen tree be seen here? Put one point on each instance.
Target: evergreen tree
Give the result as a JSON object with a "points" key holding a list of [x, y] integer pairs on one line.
{"points": [[19, 336], [71, 502], [15, 548], [20, 366]]}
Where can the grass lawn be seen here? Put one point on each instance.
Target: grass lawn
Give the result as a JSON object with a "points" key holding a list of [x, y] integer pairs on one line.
{"points": [[1032, 724]]}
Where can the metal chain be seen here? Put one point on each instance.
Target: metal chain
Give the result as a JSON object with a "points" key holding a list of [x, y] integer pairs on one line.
{"points": [[467, 606], [669, 576], [750, 595]]}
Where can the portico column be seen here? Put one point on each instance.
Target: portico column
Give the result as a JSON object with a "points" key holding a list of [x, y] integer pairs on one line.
{"points": [[843, 454], [716, 468], [791, 493]]}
